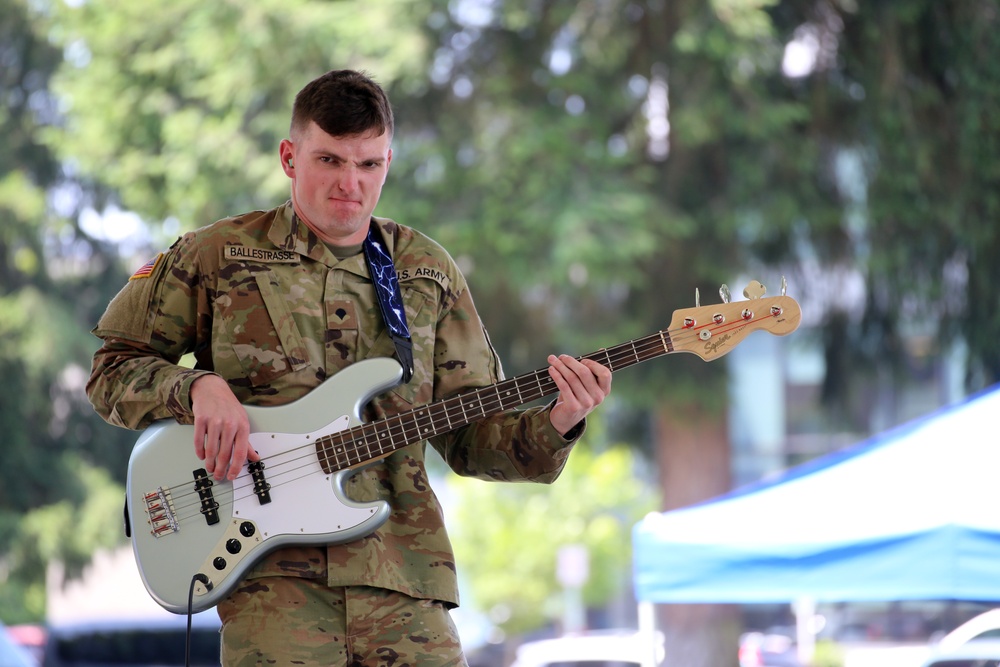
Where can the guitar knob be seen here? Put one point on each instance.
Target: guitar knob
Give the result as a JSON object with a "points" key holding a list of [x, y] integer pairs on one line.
{"points": [[247, 529], [219, 563], [233, 546]]}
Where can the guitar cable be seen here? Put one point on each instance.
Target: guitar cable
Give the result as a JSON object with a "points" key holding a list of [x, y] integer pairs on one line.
{"points": [[190, 614]]}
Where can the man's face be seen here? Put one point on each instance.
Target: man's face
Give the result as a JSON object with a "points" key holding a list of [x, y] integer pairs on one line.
{"points": [[336, 181]]}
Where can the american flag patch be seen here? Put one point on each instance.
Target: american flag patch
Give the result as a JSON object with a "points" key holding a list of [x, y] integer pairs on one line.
{"points": [[146, 269]]}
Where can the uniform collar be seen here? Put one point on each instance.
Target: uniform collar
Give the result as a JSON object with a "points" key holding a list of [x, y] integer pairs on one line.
{"points": [[289, 233]]}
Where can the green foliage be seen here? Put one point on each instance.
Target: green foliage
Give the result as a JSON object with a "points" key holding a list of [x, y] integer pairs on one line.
{"points": [[507, 536], [69, 531], [50, 296], [827, 654], [182, 113]]}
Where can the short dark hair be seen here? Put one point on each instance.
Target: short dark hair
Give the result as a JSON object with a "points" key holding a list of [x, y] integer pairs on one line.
{"points": [[343, 103]]}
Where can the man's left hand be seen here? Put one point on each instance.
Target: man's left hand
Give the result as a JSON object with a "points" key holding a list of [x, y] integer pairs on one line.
{"points": [[583, 385]]}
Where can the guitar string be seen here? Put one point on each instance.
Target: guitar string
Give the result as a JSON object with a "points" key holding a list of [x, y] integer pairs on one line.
{"points": [[486, 400], [396, 426], [423, 421], [393, 427], [494, 403]]}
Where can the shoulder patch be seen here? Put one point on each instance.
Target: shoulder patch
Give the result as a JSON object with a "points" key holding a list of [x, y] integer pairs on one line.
{"points": [[268, 256], [426, 272], [146, 270]]}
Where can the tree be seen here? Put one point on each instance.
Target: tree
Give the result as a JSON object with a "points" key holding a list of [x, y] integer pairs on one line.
{"points": [[507, 536], [47, 297], [181, 116]]}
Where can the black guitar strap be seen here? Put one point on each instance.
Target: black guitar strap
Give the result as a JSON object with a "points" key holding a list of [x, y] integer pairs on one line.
{"points": [[390, 299]]}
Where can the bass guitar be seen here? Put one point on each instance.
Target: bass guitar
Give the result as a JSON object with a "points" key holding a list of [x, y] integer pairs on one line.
{"points": [[194, 538]]}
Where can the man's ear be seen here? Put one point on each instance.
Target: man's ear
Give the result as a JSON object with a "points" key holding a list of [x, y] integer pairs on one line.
{"points": [[286, 151]]}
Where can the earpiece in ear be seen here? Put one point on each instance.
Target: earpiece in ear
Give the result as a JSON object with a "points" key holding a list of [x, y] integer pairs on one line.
{"points": [[290, 163]]}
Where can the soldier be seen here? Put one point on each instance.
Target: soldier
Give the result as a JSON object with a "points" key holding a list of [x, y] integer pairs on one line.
{"points": [[273, 303]]}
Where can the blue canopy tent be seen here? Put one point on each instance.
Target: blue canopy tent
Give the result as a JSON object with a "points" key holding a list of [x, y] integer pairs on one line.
{"points": [[911, 514]]}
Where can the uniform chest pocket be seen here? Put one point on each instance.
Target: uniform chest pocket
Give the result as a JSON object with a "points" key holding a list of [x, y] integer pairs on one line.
{"points": [[265, 340]]}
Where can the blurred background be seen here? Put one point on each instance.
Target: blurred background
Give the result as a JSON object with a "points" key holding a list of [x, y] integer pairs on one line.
{"points": [[590, 164]]}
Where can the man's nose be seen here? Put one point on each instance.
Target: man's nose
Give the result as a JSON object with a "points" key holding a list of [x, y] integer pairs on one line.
{"points": [[348, 179]]}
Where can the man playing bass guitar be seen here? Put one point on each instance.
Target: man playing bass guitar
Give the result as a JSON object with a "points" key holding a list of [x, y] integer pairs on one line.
{"points": [[273, 305]]}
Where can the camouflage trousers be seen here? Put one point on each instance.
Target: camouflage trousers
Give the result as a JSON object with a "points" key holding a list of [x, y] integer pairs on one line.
{"points": [[279, 621]]}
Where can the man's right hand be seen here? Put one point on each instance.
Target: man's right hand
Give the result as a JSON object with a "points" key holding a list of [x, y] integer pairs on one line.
{"points": [[221, 428]]}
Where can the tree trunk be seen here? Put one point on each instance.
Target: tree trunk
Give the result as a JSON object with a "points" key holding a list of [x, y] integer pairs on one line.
{"points": [[694, 465]]}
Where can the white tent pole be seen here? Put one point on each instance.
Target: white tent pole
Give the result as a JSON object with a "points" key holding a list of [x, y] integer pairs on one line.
{"points": [[647, 630], [805, 615]]}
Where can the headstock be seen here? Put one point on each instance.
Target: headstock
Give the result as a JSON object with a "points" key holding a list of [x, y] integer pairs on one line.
{"points": [[712, 331]]}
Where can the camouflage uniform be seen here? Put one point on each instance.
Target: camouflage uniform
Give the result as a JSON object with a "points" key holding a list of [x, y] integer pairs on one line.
{"points": [[262, 302]]}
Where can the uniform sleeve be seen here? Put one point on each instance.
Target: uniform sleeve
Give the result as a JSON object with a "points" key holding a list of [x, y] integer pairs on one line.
{"points": [[517, 445], [153, 321]]}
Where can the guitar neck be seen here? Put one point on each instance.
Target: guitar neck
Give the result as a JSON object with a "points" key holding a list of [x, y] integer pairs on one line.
{"points": [[361, 444], [709, 332]]}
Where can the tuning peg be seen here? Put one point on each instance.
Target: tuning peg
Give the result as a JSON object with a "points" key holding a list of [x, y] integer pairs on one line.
{"points": [[724, 293], [754, 290], [697, 298]]}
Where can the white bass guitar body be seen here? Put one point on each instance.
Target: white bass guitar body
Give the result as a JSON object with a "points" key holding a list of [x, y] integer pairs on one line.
{"points": [[186, 524]]}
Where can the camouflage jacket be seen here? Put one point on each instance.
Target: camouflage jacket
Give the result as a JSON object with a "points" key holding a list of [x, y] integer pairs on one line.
{"points": [[262, 302]]}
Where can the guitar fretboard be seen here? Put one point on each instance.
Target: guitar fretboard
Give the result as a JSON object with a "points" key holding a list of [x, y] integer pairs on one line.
{"points": [[374, 440]]}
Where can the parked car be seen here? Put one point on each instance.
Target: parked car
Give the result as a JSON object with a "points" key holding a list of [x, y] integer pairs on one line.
{"points": [[774, 648], [975, 643], [12, 655], [134, 642], [983, 626], [973, 653], [594, 649]]}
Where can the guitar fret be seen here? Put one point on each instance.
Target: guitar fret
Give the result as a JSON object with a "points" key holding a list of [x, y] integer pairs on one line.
{"points": [[441, 425], [387, 434], [378, 439], [447, 418], [412, 424], [364, 449], [397, 428], [338, 451], [368, 447], [334, 450], [323, 452], [504, 404], [423, 431], [665, 338], [477, 405]]}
